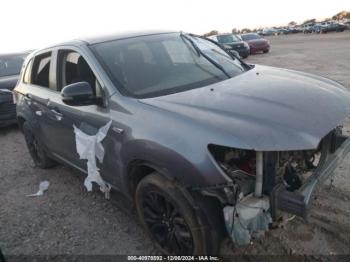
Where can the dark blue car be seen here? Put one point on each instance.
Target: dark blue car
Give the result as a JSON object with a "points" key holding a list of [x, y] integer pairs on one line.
{"points": [[10, 67]]}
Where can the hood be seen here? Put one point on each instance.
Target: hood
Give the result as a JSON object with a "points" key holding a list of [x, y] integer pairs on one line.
{"points": [[8, 82], [265, 108]]}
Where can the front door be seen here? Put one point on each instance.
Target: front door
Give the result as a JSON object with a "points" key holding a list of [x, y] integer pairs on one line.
{"points": [[72, 67]]}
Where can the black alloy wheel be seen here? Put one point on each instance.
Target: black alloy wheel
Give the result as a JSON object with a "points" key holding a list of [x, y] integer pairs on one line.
{"points": [[36, 149], [166, 224], [167, 212]]}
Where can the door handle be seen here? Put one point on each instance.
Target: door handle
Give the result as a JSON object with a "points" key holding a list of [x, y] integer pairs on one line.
{"points": [[57, 114]]}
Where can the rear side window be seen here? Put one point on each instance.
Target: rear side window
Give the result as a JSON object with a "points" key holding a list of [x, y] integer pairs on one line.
{"points": [[41, 70], [225, 39]]}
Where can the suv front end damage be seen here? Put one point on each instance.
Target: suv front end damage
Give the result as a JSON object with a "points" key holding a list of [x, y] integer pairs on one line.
{"points": [[297, 202], [264, 183]]}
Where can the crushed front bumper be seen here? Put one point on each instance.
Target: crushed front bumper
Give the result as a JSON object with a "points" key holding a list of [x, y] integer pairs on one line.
{"points": [[298, 202]]}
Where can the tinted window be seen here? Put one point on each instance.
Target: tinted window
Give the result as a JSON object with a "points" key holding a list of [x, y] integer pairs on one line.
{"points": [[226, 39], [250, 37], [41, 70], [161, 64], [11, 64]]}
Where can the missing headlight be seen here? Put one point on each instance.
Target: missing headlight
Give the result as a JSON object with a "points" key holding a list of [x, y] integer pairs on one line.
{"points": [[238, 164]]}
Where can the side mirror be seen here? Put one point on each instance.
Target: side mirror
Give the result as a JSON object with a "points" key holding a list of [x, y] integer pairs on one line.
{"points": [[78, 94]]}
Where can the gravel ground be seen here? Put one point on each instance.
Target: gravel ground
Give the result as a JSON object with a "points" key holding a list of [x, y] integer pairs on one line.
{"points": [[68, 220]]}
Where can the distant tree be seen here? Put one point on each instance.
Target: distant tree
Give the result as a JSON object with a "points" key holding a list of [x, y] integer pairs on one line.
{"points": [[309, 21], [212, 32], [234, 31], [246, 30], [292, 23]]}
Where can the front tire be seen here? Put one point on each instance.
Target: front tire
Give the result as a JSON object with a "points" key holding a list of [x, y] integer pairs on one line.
{"points": [[36, 149], [169, 218]]}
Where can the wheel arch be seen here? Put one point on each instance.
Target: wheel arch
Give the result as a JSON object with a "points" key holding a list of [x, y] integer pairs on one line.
{"points": [[142, 157], [138, 169]]}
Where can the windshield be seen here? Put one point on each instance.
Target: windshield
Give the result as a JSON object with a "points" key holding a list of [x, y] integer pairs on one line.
{"points": [[226, 39], [250, 37], [154, 65], [11, 64]]}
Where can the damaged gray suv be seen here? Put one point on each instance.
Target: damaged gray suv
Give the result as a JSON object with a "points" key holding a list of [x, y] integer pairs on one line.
{"points": [[205, 145]]}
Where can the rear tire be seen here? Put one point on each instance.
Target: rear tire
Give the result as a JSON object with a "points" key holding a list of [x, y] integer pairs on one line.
{"points": [[36, 149], [171, 220], [265, 51]]}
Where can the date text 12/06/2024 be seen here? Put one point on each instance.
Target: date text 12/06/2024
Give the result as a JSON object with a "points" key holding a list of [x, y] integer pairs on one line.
{"points": [[173, 258]]}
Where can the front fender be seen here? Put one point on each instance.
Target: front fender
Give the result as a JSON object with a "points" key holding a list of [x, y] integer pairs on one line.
{"points": [[165, 160]]}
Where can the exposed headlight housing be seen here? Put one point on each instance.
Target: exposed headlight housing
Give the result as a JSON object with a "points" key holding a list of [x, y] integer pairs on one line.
{"points": [[245, 168]]}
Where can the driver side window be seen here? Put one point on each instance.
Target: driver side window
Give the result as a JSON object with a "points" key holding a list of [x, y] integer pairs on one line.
{"points": [[73, 68]]}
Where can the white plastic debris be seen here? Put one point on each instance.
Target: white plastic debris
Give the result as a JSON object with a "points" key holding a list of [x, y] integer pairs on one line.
{"points": [[89, 148], [250, 216], [43, 186]]}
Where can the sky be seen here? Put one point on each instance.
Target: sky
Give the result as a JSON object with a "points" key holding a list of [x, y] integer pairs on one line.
{"points": [[32, 24]]}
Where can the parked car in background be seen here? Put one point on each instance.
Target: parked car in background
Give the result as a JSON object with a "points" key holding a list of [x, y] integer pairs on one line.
{"points": [[318, 28], [256, 43], [294, 30], [347, 24], [269, 31], [308, 28], [283, 31], [232, 42], [200, 142], [326, 27], [10, 67], [333, 27]]}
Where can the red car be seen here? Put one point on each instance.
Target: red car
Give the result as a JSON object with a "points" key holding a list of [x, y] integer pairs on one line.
{"points": [[256, 43]]}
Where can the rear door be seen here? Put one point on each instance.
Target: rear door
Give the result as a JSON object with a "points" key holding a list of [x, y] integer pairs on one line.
{"points": [[38, 91]]}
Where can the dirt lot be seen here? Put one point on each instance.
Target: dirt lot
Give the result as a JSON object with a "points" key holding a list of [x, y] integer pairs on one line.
{"points": [[68, 220]]}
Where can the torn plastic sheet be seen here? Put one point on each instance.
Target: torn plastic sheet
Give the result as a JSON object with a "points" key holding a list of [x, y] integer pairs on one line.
{"points": [[43, 186], [90, 147], [248, 217]]}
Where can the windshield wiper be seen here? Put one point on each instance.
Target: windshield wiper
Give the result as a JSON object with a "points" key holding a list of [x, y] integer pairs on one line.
{"points": [[200, 52]]}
